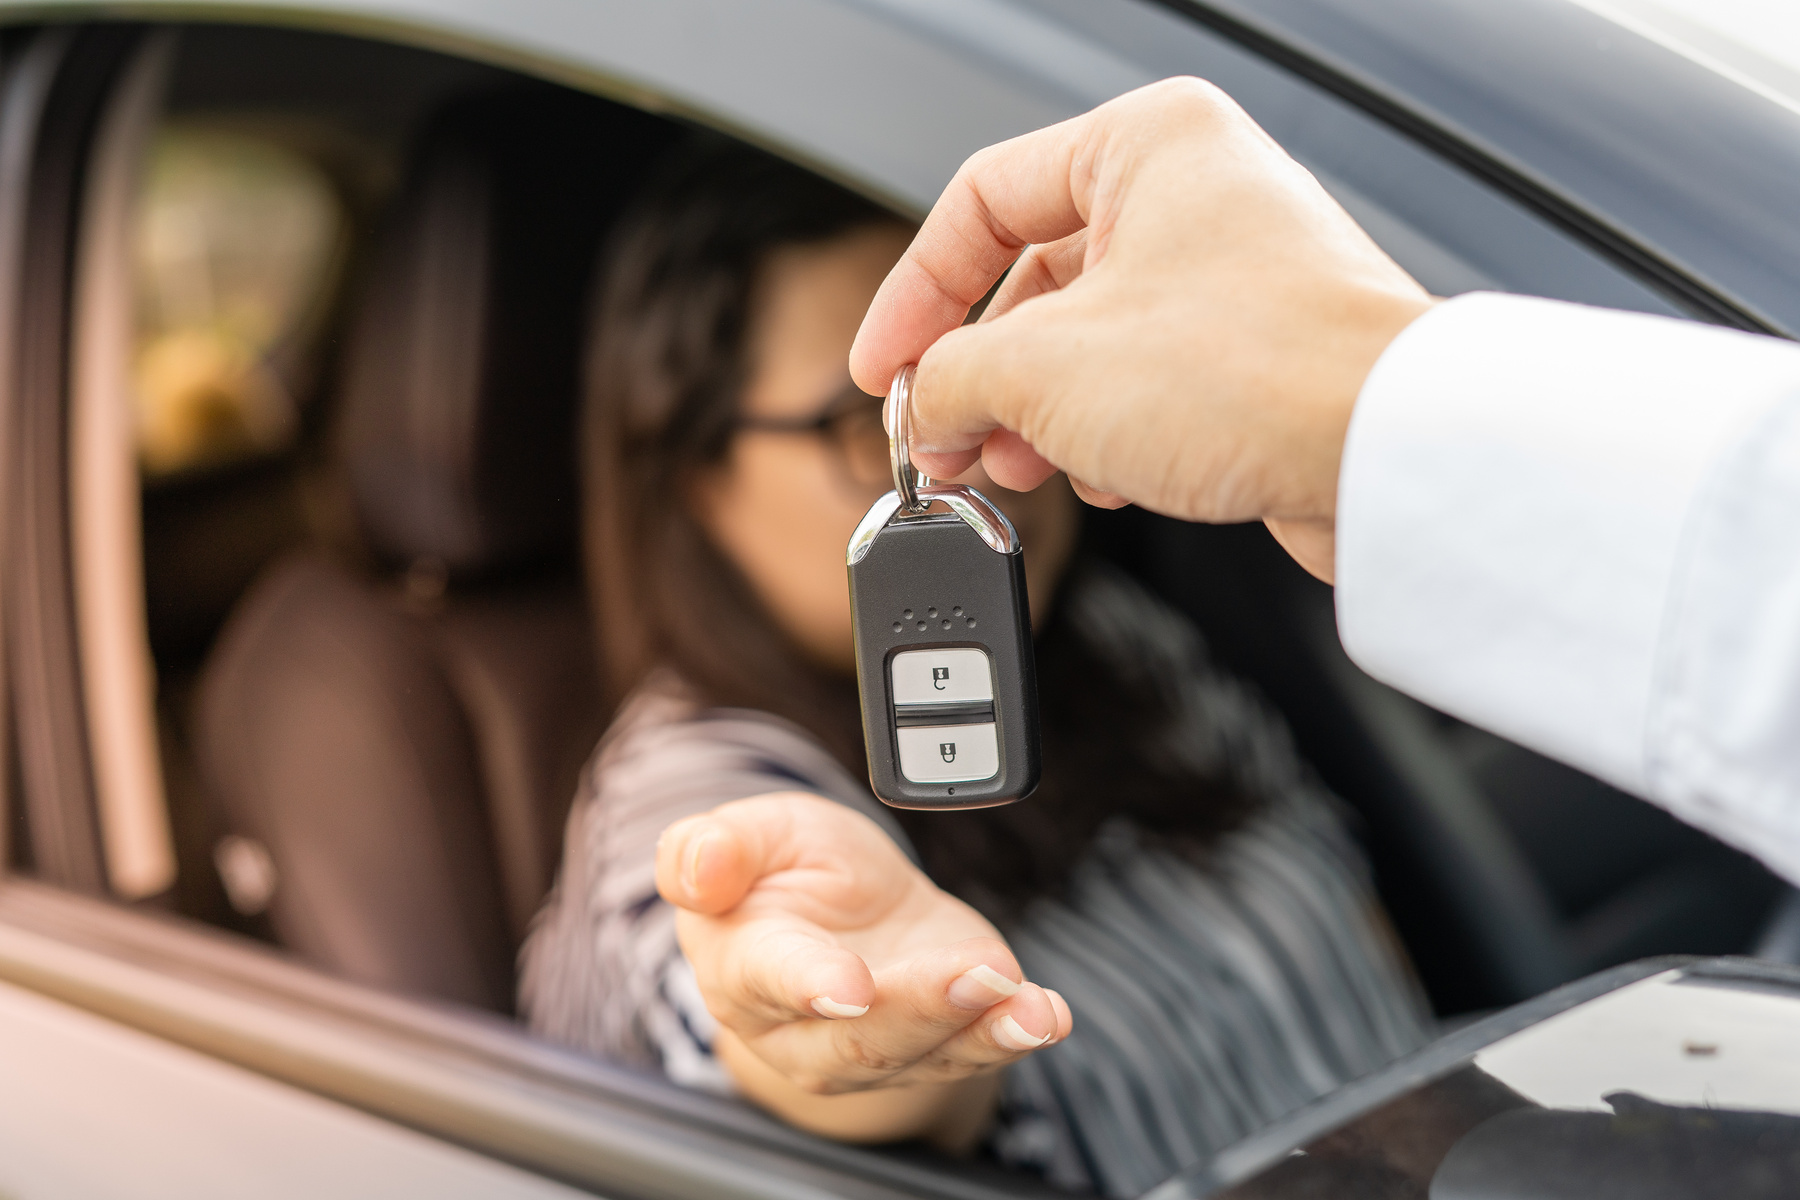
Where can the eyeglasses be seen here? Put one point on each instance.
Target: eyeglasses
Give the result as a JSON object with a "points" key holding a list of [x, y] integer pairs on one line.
{"points": [[850, 423]]}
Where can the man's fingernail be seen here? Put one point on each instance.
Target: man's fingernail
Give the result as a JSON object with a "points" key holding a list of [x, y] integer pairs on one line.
{"points": [[1012, 1035], [825, 1006], [690, 875], [980, 987]]}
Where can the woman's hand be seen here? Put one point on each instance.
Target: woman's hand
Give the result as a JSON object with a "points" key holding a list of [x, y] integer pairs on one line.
{"points": [[835, 966]]}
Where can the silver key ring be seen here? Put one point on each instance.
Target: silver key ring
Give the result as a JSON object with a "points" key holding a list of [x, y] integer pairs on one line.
{"points": [[907, 478]]}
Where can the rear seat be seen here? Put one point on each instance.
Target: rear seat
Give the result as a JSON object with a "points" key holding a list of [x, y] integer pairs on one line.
{"points": [[401, 729]]}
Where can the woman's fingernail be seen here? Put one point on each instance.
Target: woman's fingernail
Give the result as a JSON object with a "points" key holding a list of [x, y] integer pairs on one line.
{"points": [[1012, 1035], [981, 987], [690, 874], [825, 1006], [1063, 1015]]}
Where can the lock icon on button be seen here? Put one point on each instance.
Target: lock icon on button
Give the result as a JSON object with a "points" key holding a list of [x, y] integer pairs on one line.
{"points": [[948, 750]]}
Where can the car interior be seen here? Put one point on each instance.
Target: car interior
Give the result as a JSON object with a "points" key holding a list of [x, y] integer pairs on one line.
{"points": [[342, 482]]}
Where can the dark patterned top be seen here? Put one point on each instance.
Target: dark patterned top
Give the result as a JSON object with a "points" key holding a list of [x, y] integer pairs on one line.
{"points": [[1211, 994]]}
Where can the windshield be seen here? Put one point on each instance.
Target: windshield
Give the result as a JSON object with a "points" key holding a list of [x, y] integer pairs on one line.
{"points": [[1755, 43]]}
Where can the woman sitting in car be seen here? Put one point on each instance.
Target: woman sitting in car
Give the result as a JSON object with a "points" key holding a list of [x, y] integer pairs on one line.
{"points": [[1170, 944]]}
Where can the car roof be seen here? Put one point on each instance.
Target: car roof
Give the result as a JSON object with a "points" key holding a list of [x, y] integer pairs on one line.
{"points": [[1686, 168], [1673, 169], [934, 81]]}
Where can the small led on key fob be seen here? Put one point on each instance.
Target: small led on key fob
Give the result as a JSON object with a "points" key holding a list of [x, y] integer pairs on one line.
{"points": [[943, 641]]}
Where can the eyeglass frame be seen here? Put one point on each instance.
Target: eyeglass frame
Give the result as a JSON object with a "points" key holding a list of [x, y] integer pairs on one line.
{"points": [[846, 401]]}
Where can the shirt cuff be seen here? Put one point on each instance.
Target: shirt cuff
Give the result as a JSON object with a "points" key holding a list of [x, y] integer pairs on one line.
{"points": [[1511, 504]]}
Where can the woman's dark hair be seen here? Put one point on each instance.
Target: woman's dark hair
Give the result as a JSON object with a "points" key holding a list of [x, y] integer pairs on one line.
{"points": [[665, 376]]}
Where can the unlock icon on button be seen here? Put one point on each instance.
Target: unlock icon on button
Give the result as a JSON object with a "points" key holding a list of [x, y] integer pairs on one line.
{"points": [[939, 677]]}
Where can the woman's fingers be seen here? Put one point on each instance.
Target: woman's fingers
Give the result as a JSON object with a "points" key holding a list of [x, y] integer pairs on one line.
{"points": [[1033, 1020], [970, 995], [1026, 1021], [763, 972], [785, 903]]}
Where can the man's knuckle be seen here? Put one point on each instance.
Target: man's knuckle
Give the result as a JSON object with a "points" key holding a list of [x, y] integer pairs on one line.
{"points": [[1193, 90], [976, 165], [1184, 98]]}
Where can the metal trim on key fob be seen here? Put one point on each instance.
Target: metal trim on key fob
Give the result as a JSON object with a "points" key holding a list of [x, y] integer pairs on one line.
{"points": [[943, 642], [976, 510]]}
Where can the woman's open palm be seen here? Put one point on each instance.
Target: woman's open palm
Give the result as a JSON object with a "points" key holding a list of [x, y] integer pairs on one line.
{"points": [[833, 959]]}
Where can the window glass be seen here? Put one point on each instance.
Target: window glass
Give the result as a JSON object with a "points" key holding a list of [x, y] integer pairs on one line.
{"points": [[238, 240], [1755, 43]]}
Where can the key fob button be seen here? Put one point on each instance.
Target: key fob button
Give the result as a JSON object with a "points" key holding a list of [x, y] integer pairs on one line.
{"points": [[942, 677], [948, 753]]}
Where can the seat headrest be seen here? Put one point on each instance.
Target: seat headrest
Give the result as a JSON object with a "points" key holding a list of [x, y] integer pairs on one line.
{"points": [[460, 383]]}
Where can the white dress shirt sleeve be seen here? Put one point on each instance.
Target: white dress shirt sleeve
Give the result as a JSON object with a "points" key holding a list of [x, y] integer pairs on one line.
{"points": [[1581, 530]]}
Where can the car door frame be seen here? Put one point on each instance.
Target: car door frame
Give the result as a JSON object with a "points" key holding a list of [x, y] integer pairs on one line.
{"points": [[53, 93], [125, 965]]}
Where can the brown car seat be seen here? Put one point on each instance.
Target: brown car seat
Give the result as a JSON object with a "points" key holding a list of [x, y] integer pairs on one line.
{"points": [[403, 742]]}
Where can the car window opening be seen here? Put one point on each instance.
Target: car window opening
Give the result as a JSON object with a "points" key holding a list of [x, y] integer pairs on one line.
{"points": [[340, 653]]}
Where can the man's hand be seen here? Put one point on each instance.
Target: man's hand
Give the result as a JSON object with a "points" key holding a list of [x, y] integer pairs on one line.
{"points": [[834, 965], [1187, 324]]}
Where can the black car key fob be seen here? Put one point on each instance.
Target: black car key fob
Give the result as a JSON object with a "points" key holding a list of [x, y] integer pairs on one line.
{"points": [[943, 642]]}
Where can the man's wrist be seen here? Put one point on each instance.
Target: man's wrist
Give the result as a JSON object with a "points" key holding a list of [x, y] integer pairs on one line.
{"points": [[1307, 530]]}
